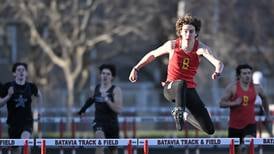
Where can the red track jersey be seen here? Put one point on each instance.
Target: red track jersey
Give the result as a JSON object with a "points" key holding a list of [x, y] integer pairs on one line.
{"points": [[244, 114], [183, 65]]}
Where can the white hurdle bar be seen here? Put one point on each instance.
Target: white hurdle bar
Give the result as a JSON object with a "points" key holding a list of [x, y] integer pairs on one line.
{"points": [[72, 143], [16, 142], [257, 141], [145, 143], [125, 142], [188, 141], [184, 142], [85, 142], [129, 143]]}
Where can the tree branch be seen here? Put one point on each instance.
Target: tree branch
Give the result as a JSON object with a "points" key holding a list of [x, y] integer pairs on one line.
{"points": [[34, 34]]}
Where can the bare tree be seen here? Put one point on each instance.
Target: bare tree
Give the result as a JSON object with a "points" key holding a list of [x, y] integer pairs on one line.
{"points": [[66, 30]]}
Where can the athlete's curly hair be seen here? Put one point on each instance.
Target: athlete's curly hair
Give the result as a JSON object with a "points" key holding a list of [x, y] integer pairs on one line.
{"points": [[188, 20]]}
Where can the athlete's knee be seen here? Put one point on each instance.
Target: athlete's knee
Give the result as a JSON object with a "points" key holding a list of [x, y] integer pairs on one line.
{"points": [[211, 131], [25, 134], [209, 128], [99, 134]]}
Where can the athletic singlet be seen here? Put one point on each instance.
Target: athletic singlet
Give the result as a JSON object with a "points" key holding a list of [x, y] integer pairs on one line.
{"points": [[244, 114], [183, 65], [103, 113], [19, 105]]}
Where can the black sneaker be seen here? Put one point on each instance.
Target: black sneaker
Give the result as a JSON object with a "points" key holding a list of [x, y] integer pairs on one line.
{"points": [[178, 115]]}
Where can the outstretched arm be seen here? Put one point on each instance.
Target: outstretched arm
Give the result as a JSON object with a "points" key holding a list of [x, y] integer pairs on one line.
{"points": [[208, 54], [228, 94], [38, 103], [88, 103], [148, 58], [40, 97], [265, 103]]}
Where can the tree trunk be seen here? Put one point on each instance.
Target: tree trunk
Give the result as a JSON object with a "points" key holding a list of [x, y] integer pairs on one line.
{"points": [[70, 100]]}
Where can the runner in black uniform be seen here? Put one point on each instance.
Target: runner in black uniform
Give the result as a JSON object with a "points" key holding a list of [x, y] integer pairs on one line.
{"points": [[108, 103], [104, 115], [20, 92]]}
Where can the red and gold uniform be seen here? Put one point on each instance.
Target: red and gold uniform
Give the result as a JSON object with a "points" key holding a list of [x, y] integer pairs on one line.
{"points": [[182, 69], [243, 115], [183, 65]]}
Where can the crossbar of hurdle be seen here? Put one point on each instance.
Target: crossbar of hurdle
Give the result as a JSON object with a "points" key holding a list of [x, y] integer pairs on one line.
{"points": [[185, 142], [146, 144], [257, 141], [89, 143], [18, 142]]}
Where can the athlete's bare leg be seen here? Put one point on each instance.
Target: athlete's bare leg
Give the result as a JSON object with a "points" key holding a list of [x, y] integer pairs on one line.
{"points": [[24, 135], [189, 118], [178, 116], [99, 134]]}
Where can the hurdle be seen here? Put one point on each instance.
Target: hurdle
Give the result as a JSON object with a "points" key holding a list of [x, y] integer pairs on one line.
{"points": [[25, 143], [257, 141], [144, 143], [128, 124], [186, 142], [88, 143]]}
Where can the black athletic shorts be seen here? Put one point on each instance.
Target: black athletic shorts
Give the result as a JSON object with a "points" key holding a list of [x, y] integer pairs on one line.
{"points": [[16, 131], [241, 133]]}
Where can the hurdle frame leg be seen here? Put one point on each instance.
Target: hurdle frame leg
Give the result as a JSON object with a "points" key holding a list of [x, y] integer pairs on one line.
{"points": [[43, 147], [231, 147], [26, 148], [146, 148], [251, 147]]}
